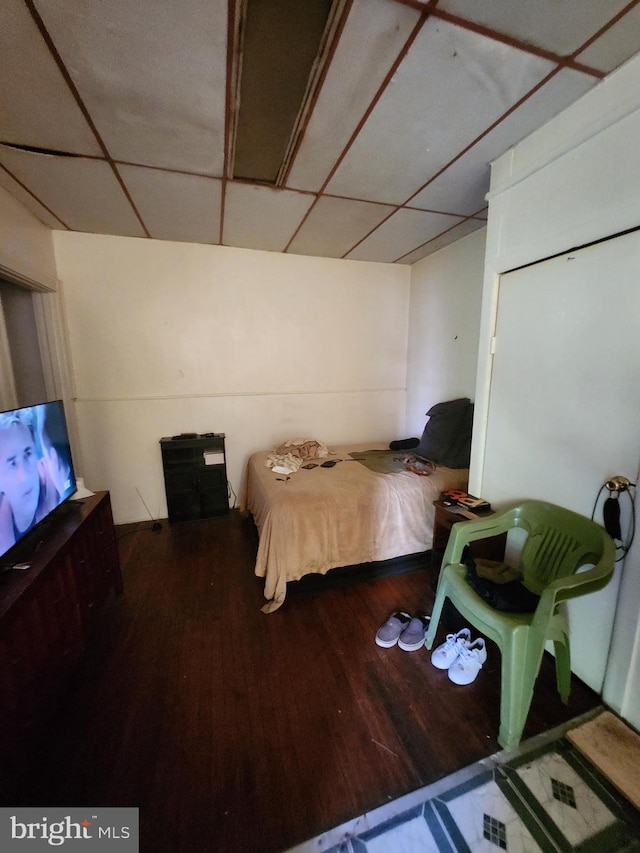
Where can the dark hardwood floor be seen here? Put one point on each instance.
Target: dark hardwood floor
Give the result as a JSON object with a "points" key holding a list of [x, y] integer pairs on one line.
{"points": [[239, 732]]}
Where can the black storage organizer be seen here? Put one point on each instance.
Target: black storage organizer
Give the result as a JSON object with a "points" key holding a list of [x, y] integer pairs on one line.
{"points": [[195, 476]]}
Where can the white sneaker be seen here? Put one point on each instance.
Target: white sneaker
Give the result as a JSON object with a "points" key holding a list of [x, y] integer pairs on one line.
{"points": [[469, 662], [445, 654]]}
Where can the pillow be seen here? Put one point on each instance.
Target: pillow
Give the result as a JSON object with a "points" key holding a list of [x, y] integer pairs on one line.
{"points": [[446, 439]]}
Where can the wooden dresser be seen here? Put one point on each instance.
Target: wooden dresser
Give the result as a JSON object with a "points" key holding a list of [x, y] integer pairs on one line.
{"points": [[49, 611]]}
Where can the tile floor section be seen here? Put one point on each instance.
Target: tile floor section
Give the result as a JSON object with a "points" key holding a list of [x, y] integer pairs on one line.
{"points": [[546, 797]]}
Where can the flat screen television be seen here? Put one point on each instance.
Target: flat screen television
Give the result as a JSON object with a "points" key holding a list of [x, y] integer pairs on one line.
{"points": [[36, 470]]}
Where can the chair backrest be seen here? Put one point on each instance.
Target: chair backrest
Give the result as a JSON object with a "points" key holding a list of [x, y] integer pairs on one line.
{"points": [[558, 542]]}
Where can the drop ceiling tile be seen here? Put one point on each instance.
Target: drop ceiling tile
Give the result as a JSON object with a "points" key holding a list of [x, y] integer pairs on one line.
{"points": [[619, 43], [175, 206], [444, 239], [28, 201], [85, 194], [451, 86], [335, 225], [402, 233], [375, 33], [36, 104], [463, 186], [262, 218], [560, 27], [461, 189], [152, 76]]}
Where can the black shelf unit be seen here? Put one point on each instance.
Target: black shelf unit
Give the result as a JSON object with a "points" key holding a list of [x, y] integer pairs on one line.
{"points": [[195, 476]]}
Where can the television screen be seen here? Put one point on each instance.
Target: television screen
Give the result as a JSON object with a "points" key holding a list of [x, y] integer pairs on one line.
{"points": [[36, 470]]}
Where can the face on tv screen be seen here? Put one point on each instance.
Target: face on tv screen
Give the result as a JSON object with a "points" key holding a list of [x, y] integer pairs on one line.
{"points": [[36, 470]]}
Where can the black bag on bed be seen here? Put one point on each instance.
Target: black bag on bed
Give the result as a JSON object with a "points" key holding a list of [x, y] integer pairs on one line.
{"points": [[446, 439]]}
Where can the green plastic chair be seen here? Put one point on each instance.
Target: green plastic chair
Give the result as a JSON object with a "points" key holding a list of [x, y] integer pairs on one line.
{"points": [[558, 543]]}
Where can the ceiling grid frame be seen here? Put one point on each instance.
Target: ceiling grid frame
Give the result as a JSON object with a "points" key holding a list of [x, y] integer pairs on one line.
{"points": [[561, 63], [74, 91], [286, 208]]}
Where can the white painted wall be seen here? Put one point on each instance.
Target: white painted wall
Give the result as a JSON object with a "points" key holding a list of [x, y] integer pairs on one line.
{"points": [[444, 325], [575, 180], [170, 337]]}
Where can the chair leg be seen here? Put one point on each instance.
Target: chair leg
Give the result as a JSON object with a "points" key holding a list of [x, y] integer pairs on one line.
{"points": [[435, 615], [563, 667], [520, 667]]}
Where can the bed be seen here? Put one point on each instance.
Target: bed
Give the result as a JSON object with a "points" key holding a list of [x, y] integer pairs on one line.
{"points": [[321, 518]]}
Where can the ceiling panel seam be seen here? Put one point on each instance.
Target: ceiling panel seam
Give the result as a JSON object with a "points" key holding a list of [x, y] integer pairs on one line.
{"points": [[486, 131], [76, 94], [394, 67], [566, 61], [496, 35], [432, 10], [34, 196], [171, 170], [235, 15], [383, 203], [234, 18], [574, 77], [438, 212], [474, 142], [562, 63], [311, 98], [560, 66], [603, 29], [437, 236], [50, 152]]}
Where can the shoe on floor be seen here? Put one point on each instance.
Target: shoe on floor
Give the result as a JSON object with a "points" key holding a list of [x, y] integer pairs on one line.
{"points": [[447, 652], [469, 662], [389, 633], [412, 637]]}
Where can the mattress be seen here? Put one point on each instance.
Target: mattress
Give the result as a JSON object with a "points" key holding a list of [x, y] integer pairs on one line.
{"points": [[320, 518]]}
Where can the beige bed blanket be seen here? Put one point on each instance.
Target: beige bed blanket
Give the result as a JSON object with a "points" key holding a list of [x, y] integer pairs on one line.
{"points": [[322, 518]]}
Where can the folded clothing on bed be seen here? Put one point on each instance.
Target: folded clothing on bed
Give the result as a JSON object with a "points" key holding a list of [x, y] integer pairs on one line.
{"points": [[283, 463], [305, 448]]}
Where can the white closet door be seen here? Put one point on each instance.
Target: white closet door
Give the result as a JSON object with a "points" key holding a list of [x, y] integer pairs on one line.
{"points": [[564, 408]]}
